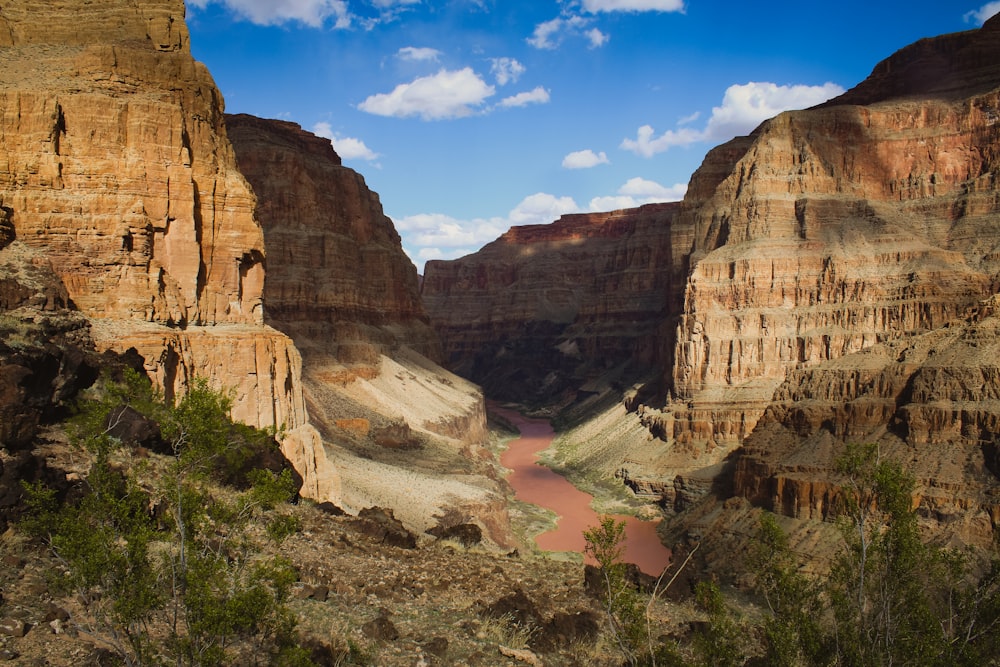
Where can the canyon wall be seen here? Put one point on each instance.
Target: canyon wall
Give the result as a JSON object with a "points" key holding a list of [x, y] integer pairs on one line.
{"points": [[541, 309], [339, 284], [116, 166]]}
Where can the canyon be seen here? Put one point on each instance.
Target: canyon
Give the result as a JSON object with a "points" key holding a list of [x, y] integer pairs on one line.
{"points": [[825, 280]]}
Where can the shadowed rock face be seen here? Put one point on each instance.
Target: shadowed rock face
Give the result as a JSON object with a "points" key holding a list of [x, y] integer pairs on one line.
{"points": [[338, 280], [543, 307]]}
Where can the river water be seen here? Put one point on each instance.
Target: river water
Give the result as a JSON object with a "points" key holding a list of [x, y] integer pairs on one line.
{"points": [[539, 485]]}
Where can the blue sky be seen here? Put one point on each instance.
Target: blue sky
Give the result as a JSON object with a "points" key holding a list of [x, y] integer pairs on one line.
{"points": [[469, 116]]}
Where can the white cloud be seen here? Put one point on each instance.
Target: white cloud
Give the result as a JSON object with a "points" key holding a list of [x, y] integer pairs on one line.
{"points": [[546, 34], [313, 13], [595, 6], [506, 70], [537, 96], [418, 53], [550, 34], [747, 106], [984, 13], [542, 208], [348, 148], [597, 38], [447, 94], [636, 192], [743, 108], [584, 159], [437, 236]]}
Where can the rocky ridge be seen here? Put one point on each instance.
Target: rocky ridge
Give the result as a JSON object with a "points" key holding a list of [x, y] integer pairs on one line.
{"points": [[542, 308]]}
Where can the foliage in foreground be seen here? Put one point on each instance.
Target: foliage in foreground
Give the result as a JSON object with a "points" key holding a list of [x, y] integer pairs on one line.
{"points": [[167, 563], [890, 599]]}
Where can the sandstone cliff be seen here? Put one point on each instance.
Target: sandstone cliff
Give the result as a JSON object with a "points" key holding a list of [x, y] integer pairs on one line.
{"points": [[115, 164], [545, 307], [408, 434]]}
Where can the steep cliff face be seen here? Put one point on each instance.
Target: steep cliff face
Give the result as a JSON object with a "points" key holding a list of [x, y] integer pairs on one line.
{"points": [[115, 164], [339, 284], [338, 280], [544, 307], [837, 228]]}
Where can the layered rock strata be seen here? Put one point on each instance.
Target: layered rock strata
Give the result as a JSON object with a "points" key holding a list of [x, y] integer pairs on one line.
{"points": [[544, 307], [116, 165], [340, 285]]}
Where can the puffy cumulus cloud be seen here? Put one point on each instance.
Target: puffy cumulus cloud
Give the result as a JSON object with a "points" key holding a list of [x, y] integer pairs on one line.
{"points": [[348, 148], [747, 106], [537, 96], [313, 13], [984, 13], [418, 53], [636, 192], [542, 208], [743, 108], [584, 159], [595, 6], [506, 70], [447, 94]]}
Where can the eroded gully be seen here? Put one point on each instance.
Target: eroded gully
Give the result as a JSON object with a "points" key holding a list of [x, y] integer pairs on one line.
{"points": [[539, 485]]}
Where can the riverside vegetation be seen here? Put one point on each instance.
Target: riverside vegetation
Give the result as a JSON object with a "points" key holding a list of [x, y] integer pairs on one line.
{"points": [[194, 556]]}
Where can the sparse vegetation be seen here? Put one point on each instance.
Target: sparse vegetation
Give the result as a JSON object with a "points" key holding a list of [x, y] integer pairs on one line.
{"points": [[193, 588]]}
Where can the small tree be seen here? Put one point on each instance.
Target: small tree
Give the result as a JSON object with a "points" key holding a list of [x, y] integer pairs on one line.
{"points": [[605, 543]]}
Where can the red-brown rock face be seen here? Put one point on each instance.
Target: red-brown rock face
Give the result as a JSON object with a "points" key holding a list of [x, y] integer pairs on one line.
{"points": [[530, 313], [114, 163], [338, 280]]}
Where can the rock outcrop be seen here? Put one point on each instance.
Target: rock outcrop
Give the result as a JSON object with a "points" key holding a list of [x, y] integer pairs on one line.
{"points": [[544, 307], [116, 165], [339, 284]]}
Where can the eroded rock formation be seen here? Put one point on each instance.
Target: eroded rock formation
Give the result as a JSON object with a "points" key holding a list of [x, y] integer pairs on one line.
{"points": [[544, 307], [116, 165]]}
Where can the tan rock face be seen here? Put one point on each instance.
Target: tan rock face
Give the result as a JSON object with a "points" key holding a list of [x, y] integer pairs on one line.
{"points": [[406, 434], [115, 163], [828, 238], [526, 315], [839, 227]]}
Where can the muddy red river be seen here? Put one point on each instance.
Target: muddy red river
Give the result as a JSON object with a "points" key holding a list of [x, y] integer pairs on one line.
{"points": [[536, 484]]}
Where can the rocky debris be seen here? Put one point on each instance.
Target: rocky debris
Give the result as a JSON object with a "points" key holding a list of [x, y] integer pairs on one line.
{"points": [[13, 627], [466, 534], [521, 655], [381, 628], [385, 528]]}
